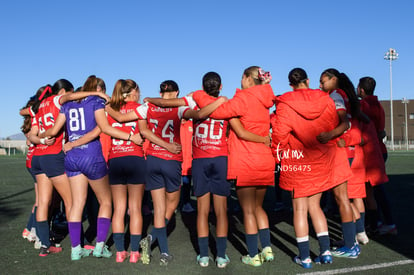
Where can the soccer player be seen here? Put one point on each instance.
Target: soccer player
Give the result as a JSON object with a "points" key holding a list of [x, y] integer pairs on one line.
{"points": [[375, 191], [127, 168], [305, 164], [337, 85]]}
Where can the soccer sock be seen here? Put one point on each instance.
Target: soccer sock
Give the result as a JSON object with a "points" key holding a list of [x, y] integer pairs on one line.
{"points": [[324, 242], [221, 243], [34, 217], [102, 228], [42, 231], [203, 245], [119, 239], [264, 236], [348, 231], [161, 234], [359, 226], [251, 241], [186, 189], [30, 222], [303, 246], [362, 214], [75, 233], [134, 242]]}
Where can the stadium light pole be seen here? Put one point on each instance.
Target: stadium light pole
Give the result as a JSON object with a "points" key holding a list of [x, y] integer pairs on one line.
{"points": [[391, 55], [405, 102]]}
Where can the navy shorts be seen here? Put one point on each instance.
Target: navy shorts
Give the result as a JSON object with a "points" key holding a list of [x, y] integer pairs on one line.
{"points": [[210, 176], [31, 173], [163, 173], [127, 170], [92, 167], [51, 165]]}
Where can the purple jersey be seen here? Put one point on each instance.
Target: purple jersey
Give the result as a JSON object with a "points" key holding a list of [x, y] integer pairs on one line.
{"points": [[80, 119]]}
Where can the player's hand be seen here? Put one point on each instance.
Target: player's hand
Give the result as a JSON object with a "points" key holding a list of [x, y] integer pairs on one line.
{"points": [[104, 96], [174, 148], [50, 141], [67, 147], [268, 141], [137, 139], [341, 143], [324, 137]]}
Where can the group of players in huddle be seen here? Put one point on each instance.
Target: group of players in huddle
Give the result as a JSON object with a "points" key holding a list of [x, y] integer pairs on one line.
{"points": [[319, 140]]}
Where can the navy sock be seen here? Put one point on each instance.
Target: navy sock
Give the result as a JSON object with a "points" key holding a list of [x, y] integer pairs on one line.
{"points": [[42, 231], [251, 241], [119, 239], [359, 226], [34, 223], [203, 245], [363, 219], [348, 231], [221, 243], [30, 222], [161, 234], [264, 236], [303, 246], [324, 242], [134, 242]]}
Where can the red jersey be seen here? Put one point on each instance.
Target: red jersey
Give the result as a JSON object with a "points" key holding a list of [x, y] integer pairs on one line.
{"points": [[210, 138], [164, 123], [45, 119], [122, 148], [186, 135]]}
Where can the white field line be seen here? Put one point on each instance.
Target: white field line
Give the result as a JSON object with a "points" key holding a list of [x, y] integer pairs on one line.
{"points": [[361, 268]]}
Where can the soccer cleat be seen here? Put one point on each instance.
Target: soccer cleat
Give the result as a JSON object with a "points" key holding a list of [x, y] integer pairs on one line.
{"points": [[187, 208], [37, 243], [145, 244], [255, 261], [362, 238], [134, 256], [165, 259], [101, 251], [79, 252], [306, 263], [324, 258], [345, 252], [203, 261], [44, 251], [388, 229], [267, 254], [121, 256], [357, 248], [222, 262], [88, 246], [25, 233]]}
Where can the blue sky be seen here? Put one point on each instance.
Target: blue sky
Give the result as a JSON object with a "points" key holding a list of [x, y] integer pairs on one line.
{"points": [[152, 41]]}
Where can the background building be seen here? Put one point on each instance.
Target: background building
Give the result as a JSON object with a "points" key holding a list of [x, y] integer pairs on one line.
{"points": [[399, 122]]}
